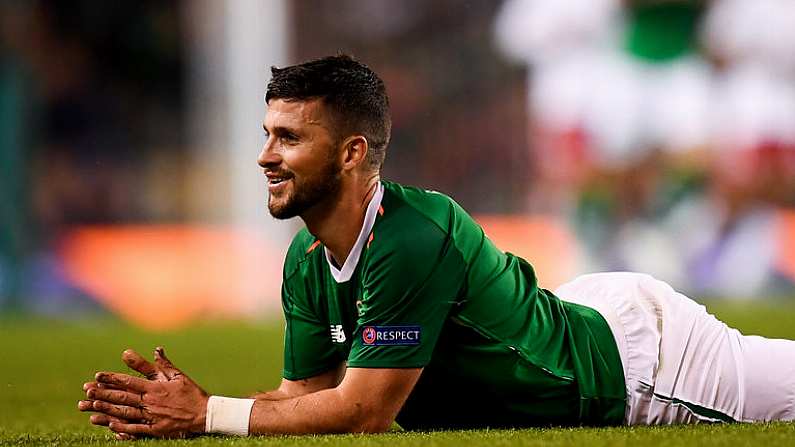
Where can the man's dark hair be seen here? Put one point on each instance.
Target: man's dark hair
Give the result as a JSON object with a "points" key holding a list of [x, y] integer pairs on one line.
{"points": [[354, 94]]}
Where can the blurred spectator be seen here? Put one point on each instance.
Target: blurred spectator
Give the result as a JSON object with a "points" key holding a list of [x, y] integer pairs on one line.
{"points": [[667, 126], [87, 91]]}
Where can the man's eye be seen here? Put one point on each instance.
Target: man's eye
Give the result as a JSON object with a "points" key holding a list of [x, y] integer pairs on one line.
{"points": [[291, 138]]}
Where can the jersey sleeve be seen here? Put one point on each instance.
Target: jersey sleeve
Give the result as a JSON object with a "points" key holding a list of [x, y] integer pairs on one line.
{"points": [[409, 286], [308, 350]]}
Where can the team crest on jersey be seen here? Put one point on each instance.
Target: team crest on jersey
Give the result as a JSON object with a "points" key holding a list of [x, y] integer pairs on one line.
{"points": [[337, 333], [391, 335]]}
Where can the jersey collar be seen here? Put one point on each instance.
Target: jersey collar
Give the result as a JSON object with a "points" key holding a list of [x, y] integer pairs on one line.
{"points": [[344, 274]]}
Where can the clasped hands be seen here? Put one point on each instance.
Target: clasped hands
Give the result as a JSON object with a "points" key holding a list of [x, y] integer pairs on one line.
{"points": [[164, 404]]}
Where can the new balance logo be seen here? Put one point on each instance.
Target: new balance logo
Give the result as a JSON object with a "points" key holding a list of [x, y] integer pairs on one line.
{"points": [[337, 333]]}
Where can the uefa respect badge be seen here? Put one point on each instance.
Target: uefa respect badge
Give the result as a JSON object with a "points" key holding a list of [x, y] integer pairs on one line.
{"points": [[391, 335]]}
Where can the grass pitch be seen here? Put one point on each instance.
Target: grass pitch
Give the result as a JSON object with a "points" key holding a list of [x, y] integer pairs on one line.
{"points": [[44, 363]]}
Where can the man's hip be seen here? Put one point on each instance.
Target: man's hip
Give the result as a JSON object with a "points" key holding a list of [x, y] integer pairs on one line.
{"points": [[681, 364]]}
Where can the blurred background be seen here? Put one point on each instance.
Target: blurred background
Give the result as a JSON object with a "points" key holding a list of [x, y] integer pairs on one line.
{"points": [[585, 135]]}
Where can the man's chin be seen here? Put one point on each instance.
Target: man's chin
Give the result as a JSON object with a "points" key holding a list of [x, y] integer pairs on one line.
{"points": [[281, 215], [281, 211]]}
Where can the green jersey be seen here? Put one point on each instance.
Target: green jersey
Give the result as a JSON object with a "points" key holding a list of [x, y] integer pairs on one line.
{"points": [[424, 287]]}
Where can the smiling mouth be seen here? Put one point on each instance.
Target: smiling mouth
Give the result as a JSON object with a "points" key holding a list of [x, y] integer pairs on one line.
{"points": [[275, 179], [277, 183]]}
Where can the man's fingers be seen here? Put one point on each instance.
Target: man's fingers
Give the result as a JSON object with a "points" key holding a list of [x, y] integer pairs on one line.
{"points": [[140, 364], [118, 411], [104, 419], [165, 364], [88, 385], [123, 381], [133, 429], [125, 437], [115, 396], [85, 405]]}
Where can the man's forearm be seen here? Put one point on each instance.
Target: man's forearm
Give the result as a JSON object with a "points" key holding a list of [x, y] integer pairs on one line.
{"points": [[271, 395], [367, 400], [294, 388], [324, 411]]}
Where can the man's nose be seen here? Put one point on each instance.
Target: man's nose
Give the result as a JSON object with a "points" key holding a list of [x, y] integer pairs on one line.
{"points": [[268, 156]]}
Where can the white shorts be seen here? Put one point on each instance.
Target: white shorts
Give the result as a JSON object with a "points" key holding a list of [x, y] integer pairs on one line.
{"points": [[681, 364]]}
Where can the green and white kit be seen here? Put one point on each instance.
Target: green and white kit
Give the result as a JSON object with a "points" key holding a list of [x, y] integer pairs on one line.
{"points": [[424, 287]]}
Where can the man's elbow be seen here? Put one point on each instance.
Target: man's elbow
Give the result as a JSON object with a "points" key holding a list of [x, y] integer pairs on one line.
{"points": [[368, 420], [372, 424]]}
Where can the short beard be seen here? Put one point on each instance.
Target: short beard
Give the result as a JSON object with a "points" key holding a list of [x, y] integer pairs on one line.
{"points": [[309, 193]]}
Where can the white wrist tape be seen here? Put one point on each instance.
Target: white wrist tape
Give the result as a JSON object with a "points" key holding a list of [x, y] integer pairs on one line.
{"points": [[228, 415]]}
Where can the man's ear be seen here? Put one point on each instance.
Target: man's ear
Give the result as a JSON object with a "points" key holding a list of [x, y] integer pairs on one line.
{"points": [[354, 152]]}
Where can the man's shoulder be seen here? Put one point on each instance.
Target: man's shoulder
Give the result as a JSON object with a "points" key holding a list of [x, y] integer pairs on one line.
{"points": [[416, 197], [410, 207], [408, 214], [414, 225], [410, 211]]}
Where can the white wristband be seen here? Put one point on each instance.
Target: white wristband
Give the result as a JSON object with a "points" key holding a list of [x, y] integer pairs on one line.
{"points": [[228, 415]]}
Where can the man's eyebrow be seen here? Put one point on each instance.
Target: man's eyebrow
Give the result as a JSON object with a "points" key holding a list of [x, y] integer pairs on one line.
{"points": [[280, 130]]}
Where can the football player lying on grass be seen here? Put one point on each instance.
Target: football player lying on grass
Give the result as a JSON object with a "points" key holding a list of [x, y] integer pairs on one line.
{"points": [[399, 308]]}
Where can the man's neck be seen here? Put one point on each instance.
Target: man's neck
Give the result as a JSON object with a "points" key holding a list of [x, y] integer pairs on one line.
{"points": [[338, 225]]}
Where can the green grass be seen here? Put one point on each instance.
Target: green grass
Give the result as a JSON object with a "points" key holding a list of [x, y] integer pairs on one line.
{"points": [[44, 363]]}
